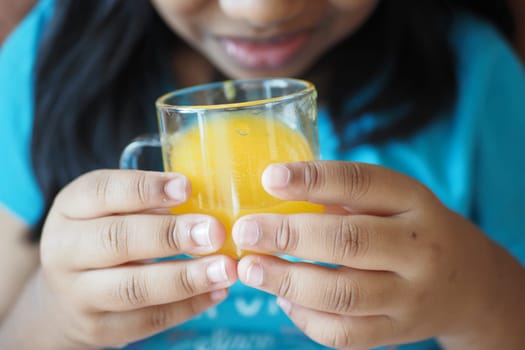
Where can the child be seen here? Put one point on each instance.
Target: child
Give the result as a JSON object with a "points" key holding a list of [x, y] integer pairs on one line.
{"points": [[421, 123]]}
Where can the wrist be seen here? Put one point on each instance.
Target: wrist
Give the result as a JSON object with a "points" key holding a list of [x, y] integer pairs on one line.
{"points": [[499, 323]]}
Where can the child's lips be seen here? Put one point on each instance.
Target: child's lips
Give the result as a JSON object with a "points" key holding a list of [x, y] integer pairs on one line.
{"points": [[261, 54]]}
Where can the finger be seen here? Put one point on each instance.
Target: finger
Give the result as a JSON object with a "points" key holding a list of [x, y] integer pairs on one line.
{"points": [[115, 240], [340, 291], [358, 187], [351, 333], [106, 192], [359, 241], [117, 329], [134, 287]]}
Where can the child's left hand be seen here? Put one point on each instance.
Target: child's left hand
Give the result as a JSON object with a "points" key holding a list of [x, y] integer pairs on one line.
{"points": [[409, 268]]}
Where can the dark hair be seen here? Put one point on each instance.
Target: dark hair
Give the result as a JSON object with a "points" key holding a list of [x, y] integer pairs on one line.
{"points": [[99, 70], [496, 11], [102, 64]]}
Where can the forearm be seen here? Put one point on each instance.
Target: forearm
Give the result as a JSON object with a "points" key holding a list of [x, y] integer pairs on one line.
{"points": [[502, 326]]}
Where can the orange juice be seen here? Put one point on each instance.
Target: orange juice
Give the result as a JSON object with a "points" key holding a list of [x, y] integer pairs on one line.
{"points": [[224, 157]]}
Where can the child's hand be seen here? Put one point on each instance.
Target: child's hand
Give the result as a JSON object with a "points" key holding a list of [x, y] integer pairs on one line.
{"points": [[98, 279], [410, 268]]}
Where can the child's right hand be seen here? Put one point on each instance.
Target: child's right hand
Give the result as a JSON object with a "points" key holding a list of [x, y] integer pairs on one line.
{"points": [[98, 280]]}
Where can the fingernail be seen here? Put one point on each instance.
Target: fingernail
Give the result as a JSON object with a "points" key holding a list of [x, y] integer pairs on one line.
{"points": [[216, 272], [218, 295], [285, 305], [200, 234], [176, 188], [254, 275], [276, 176], [246, 233]]}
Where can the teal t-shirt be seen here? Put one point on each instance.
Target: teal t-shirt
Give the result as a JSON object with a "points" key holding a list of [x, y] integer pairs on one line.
{"points": [[471, 158], [19, 192]]}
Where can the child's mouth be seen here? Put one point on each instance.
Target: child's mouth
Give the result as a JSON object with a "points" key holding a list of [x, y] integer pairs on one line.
{"points": [[264, 54]]}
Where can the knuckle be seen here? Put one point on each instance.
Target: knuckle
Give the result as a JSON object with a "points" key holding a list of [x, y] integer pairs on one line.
{"points": [[159, 318], [47, 255], [342, 296], [114, 237], [337, 337], [56, 206], [195, 306], [342, 339], [168, 234], [50, 255], [286, 287], [142, 187], [422, 194], [110, 186], [357, 180], [432, 258], [102, 185], [187, 283], [132, 290], [312, 176], [95, 331], [312, 329], [285, 239], [350, 241]]}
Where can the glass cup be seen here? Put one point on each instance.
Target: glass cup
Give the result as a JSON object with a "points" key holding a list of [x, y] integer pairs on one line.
{"points": [[223, 135]]}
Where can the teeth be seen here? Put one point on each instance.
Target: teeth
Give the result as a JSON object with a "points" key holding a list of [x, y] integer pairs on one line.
{"points": [[271, 52], [263, 41]]}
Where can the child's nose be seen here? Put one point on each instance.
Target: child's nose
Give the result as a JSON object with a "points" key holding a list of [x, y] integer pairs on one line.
{"points": [[263, 13]]}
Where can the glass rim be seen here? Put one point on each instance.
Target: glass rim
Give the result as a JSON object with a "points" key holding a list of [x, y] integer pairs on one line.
{"points": [[162, 104]]}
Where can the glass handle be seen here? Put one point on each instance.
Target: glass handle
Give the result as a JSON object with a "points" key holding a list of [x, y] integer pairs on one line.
{"points": [[131, 154]]}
